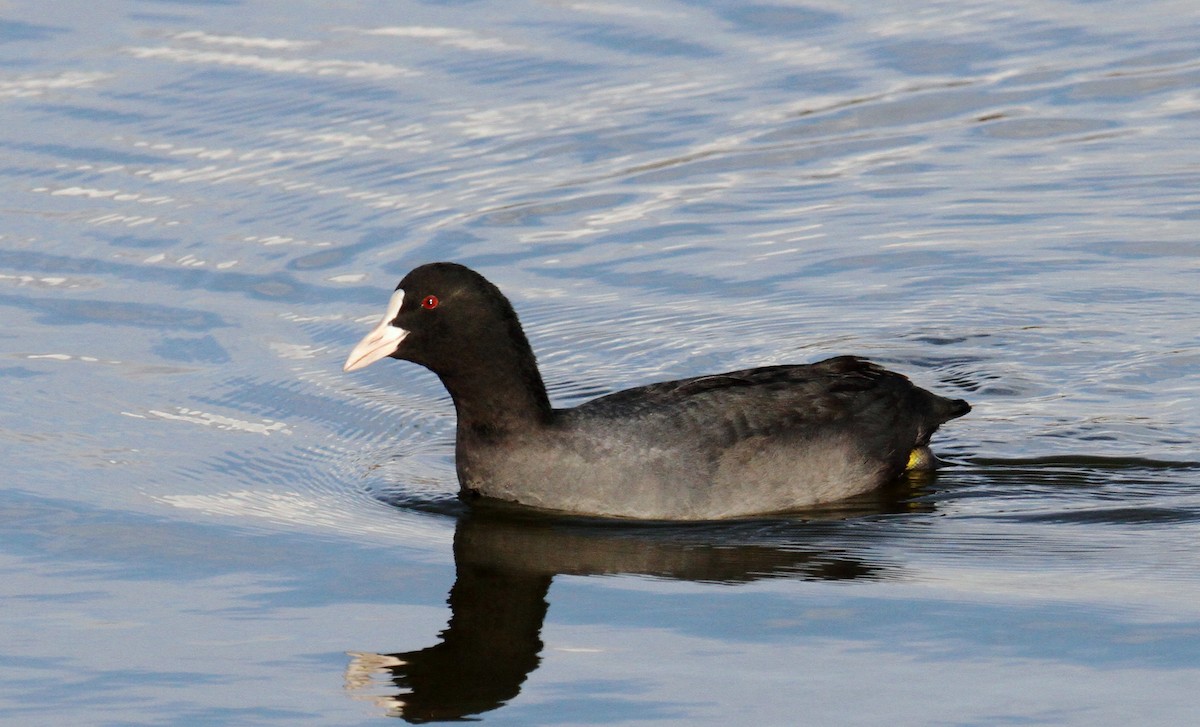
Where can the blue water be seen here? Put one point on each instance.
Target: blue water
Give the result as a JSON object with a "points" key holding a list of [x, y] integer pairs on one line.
{"points": [[205, 204]]}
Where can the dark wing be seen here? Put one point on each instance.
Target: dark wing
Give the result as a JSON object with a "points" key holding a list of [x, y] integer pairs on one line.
{"points": [[881, 408]]}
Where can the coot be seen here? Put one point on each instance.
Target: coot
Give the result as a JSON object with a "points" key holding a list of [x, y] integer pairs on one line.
{"points": [[742, 443]]}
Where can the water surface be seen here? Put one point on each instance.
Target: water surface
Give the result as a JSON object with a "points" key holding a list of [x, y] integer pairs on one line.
{"points": [[205, 204]]}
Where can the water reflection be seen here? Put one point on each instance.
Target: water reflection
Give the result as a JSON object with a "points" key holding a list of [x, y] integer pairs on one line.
{"points": [[506, 559], [505, 562]]}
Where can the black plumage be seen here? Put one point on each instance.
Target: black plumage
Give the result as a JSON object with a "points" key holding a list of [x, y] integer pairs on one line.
{"points": [[740, 443]]}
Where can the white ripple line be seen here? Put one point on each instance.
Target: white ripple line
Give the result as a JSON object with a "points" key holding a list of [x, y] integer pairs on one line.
{"points": [[275, 64]]}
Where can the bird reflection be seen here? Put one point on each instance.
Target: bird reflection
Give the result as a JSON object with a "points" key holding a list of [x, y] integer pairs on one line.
{"points": [[505, 561]]}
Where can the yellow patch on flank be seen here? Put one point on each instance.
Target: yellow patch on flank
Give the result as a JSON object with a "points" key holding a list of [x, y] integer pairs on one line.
{"points": [[920, 460]]}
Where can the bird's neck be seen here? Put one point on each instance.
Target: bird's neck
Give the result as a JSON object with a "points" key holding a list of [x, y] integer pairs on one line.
{"points": [[502, 394]]}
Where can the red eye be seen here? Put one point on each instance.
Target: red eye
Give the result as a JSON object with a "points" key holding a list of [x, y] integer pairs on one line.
{"points": [[430, 302]]}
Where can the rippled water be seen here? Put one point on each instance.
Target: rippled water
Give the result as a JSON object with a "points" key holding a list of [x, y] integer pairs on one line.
{"points": [[206, 203]]}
